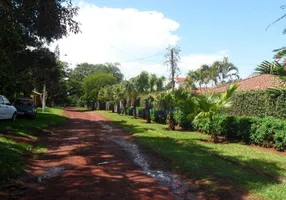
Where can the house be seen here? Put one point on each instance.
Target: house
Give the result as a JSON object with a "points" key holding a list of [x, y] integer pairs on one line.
{"points": [[37, 98], [179, 82], [260, 82]]}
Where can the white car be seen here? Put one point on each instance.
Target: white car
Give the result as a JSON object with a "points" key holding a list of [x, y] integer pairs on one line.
{"points": [[7, 110]]}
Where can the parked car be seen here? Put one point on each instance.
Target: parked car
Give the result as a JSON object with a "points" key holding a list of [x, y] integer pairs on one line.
{"points": [[7, 110], [25, 107]]}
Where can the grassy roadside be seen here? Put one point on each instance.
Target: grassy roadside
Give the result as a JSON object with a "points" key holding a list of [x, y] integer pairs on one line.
{"points": [[215, 162], [18, 139]]}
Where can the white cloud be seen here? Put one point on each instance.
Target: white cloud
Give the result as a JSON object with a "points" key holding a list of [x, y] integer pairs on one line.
{"points": [[107, 31], [139, 33]]}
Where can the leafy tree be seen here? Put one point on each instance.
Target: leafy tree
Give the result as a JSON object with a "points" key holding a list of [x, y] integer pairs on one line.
{"points": [[160, 83], [25, 27], [84, 70], [92, 85], [211, 105]]}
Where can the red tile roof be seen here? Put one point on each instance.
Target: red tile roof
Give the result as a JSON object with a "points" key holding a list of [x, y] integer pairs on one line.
{"points": [[180, 79], [261, 82]]}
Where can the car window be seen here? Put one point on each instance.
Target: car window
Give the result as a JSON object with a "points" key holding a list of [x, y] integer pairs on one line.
{"points": [[24, 102], [6, 101], [1, 100]]}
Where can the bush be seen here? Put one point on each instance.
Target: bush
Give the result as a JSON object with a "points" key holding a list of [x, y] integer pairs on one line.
{"points": [[267, 132], [159, 116], [183, 120], [280, 140], [202, 125], [264, 130]]}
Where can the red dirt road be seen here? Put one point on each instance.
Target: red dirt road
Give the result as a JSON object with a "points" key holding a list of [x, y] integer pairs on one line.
{"points": [[76, 150]]}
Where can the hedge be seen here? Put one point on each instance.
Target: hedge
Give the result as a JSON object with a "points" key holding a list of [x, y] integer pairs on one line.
{"points": [[266, 132], [260, 103]]}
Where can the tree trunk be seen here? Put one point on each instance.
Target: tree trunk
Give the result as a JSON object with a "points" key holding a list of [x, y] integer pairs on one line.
{"points": [[93, 105], [134, 109], [118, 108], [112, 108], [147, 112], [171, 122], [148, 117]]}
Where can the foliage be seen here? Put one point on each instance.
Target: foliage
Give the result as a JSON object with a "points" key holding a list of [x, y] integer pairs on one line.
{"points": [[92, 85], [159, 116], [267, 67], [220, 72], [259, 103], [264, 130], [25, 27], [84, 70], [210, 106]]}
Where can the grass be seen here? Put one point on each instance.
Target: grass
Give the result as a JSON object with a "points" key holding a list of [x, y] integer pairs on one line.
{"points": [[242, 166], [19, 138]]}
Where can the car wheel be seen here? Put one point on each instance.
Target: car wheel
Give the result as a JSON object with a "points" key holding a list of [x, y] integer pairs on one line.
{"points": [[14, 117]]}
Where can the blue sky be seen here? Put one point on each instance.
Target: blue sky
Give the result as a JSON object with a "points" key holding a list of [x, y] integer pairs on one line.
{"points": [[208, 27]]}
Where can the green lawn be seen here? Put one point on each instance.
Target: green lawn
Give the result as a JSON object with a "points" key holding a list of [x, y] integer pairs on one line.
{"points": [[244, 167], [19, 138]]}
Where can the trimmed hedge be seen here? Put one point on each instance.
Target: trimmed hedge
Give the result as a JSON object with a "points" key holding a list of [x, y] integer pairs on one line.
{"points": [[260, 103], [266, 132]]}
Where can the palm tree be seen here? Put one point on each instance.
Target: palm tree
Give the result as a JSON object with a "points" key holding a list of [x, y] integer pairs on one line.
{"points": [[267, 67], [210, 106], [166, 101], [227, 70], [160, 83], [149, 99], [118, 95], [133, 90], [106, 94]]}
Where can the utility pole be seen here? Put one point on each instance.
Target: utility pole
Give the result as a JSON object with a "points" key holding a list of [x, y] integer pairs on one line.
{"points": [[172, 69]]}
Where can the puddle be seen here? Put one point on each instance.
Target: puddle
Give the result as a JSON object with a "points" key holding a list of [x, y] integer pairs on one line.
{"points": [[50, 173], [179, 188]]}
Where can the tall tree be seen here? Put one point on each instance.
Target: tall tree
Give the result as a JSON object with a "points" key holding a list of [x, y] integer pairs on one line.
{"points": [[133, 90], [92, 85], [27, 25]]}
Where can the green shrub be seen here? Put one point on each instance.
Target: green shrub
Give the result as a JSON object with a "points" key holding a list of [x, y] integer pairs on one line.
{"points": [[202, 125], [183, 120], [264, 130], [159, 116], [280, 140]]}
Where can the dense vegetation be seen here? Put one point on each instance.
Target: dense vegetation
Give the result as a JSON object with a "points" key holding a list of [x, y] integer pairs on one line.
{"points": [[260, 103], [26, 27]]}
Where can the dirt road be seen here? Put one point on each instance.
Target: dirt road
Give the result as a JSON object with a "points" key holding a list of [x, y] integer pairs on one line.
{"points": [[83, 164]]}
